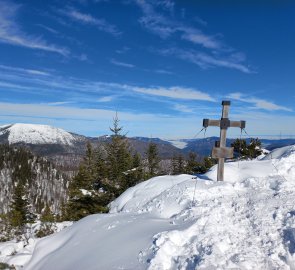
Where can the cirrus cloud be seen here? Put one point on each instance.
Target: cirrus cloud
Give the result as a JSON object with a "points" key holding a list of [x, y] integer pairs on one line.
{"points": [[11, 33], [258, 103], [175, 92]]}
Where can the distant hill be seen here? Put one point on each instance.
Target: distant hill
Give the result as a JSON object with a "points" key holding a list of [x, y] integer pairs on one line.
{"points": [[66, 149], [203, 146]]}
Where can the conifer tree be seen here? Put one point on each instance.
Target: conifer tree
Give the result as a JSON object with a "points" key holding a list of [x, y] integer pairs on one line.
{"points": [[191, 163], [244, 150], [119, 158], [135, 175], [47, 223], [153, 159], [254, 148], [84, 197], [101, 171], [136, 160], [178, 164], [19, 214], [19, 207]]}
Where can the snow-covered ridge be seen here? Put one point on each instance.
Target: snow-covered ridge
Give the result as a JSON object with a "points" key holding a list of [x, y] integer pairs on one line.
{"points": [[36, 134], [184, 222]]}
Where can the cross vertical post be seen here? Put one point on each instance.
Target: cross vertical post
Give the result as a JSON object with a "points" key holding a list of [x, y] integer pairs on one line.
{"points": [[220, 150]]}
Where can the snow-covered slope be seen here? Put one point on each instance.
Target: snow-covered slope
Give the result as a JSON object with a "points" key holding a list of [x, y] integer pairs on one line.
{"points": [[181, 144], [36, 134], [179, 222]]}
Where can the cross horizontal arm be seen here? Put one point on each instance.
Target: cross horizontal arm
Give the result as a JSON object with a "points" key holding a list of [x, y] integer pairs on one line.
{"points": [[209, 122], [240, 124], [224, 123]]}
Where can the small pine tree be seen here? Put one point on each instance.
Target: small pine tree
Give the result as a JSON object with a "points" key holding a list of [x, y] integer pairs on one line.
{"points": [[85, 197], [135, 175], [5, 228], [191, 163], [244, 150], [254, 148], [47, 223], [178, 164], [19, 214], [119, 158], [209, 162], [19, 207], [153, 159]]}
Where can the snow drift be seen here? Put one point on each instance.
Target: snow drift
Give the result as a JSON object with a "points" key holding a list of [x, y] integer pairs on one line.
{"points": [[179, 222]]}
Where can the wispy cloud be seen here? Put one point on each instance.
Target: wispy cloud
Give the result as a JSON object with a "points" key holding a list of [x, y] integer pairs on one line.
{"points": [[121, 64], [197, 37], [165, 27], [49, 29], [94, 121], [123, 50], [205, 61], [58, 103], [164, 71], [106, 99], [183, 108], [29, 71], [18, 80], [62, 112], [11, 33], [153, 21], [258, 103], [217, 53], [175, 92], [84, 18]]}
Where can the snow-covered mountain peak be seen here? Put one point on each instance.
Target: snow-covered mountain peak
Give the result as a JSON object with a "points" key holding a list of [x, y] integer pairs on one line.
{"points": [[36, 134]]}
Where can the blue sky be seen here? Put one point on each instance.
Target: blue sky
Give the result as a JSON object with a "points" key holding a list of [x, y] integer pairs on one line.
{"points": [[163, 65]]}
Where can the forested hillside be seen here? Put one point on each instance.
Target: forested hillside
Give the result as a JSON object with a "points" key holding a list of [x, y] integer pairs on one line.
{"points": [[40, 182]]}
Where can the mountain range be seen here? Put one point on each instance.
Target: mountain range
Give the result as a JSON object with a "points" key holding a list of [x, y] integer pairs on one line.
{"points": [[66, 149]]}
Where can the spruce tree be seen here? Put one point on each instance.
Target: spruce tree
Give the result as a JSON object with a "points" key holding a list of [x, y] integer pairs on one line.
{"points": [[178, 164], [47, 223], [254, 148], [192, 164], [101, 170], [153, 159], [244, 150], [135, 175], [84, 195], [19, 213], [119, 158], [19, 206]]}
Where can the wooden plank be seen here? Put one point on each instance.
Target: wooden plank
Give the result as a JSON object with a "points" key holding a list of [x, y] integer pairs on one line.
{"points": [[236, 124], [214, 123], [222, 152]]}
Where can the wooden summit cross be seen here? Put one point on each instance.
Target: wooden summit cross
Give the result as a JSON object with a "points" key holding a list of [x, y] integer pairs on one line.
{"points": [[220, 150]]}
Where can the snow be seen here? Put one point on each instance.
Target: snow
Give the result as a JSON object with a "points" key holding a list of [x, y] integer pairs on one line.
{"points": [[178, 143], [18, 253], [185, 222], [85, 192], [36, 134]]}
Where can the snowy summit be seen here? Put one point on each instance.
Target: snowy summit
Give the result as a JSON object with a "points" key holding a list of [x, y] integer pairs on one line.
{"points": [[36, 134], [183, 222]]}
